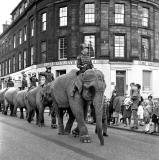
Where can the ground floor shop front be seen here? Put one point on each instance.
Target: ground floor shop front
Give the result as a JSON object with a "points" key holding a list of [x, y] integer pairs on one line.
{"points": [[118, 75]]}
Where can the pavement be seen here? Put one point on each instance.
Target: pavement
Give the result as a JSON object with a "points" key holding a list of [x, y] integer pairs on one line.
{"points": [[20, 140]]}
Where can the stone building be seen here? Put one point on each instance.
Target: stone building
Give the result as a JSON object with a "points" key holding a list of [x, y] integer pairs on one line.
{"points": [[123, 39]]}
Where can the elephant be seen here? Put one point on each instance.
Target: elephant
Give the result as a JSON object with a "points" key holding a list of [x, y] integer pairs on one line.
{"points": [[74, 92], [36, 102], [20, 103], [10, 99], [2, 92]]}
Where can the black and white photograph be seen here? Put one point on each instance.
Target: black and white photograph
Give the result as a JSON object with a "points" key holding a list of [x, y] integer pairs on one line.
{"points": [[79, 79]]}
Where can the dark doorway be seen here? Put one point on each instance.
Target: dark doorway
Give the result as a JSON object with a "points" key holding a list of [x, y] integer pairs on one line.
{"points": [[60, 72], [121, 82]]}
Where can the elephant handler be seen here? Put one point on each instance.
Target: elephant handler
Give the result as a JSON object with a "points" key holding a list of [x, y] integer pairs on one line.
{"points": [[84, 61], [49, 77], [24, 81], [10, 82]]}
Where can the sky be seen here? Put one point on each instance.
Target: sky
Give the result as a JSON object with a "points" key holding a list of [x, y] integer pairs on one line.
{"points": [[6, 7]]}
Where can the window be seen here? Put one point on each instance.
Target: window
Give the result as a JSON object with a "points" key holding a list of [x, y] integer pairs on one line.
{"points": [[119, 46], [6, 68], [32, 55], [63, 16], [119, 13], [20, 61], [145, 17], [13, 64], [9, 66], [89, 13], [43, 20], [90, 41], [32, 27], [145, 48], [43, 52], [147, 80], [62, 48], [14, 41], [20, 37], [3, 69], [25, 33], [24, 59]]}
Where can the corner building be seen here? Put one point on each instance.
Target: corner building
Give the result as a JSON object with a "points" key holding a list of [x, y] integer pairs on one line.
{"points": [[123, 39]]}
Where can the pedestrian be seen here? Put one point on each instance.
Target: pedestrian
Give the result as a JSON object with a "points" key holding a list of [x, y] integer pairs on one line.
{"points": [[140, 113], [114, 94], [155, 117], [10, 83], [84, 61], [117, 109], [127, 111], [24, 81], [135, 97], [49, 77], [147, 116]]}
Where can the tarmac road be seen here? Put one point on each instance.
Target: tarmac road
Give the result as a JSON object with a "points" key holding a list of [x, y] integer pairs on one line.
{"points": [[20, 140]]}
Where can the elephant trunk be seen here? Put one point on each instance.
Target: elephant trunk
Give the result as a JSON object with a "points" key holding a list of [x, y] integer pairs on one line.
{"points": [[98, 105]]}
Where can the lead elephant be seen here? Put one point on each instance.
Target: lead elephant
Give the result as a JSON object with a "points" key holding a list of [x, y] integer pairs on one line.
{"points": [[10, 99], [2, 92], [20, 103], [74, 93], [36, 102]]}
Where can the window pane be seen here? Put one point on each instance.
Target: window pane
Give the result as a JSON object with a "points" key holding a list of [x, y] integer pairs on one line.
{"points": [[63, 16], [119, 46], [119, 13], [90, 41], [62, 48]]}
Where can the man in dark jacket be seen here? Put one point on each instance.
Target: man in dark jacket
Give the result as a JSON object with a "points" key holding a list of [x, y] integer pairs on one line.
{"points": [[10, 82], [84, 61], [48, 75], [24, 81]]}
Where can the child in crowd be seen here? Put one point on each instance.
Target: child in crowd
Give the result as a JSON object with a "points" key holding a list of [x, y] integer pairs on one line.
{"points": [[140, 113], [127, 111]]}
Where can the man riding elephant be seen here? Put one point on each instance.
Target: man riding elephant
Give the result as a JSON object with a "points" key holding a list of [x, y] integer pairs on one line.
{"points": [[10, 82], [49, 77], [24, 81], [33, 81], [74, 94]]}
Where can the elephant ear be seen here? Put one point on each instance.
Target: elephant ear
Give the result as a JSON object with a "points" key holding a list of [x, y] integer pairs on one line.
{"points": [[77, 85]]}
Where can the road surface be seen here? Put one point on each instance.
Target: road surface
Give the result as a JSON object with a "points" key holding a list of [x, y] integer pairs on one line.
{"points": [[20, 140]]}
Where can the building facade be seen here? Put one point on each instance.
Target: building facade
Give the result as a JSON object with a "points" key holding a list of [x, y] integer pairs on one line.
{"points": [[123, 39]]}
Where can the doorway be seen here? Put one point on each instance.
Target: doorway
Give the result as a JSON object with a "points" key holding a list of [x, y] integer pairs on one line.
{"points": [[121, 82], [60, 72]]}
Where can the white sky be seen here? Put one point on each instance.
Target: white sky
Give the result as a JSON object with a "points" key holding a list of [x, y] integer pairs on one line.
{"points": [[6, 7]]}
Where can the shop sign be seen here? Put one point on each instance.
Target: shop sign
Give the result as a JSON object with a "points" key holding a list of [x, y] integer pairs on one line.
{"points": [[154, 64]]}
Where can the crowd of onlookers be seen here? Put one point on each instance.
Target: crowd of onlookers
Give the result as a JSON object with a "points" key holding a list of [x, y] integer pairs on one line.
{"points": [[133, 111]]}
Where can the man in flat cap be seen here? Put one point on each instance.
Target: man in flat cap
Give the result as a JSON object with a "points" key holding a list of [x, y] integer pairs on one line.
{"points": [[84, 61]]}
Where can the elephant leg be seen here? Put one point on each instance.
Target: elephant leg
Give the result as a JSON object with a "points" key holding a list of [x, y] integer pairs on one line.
{"points": [[60, 122], [21, 113], [76, 106], [11, 110], [41, 116], [6, 105], [69, 122], [37, 116]]}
